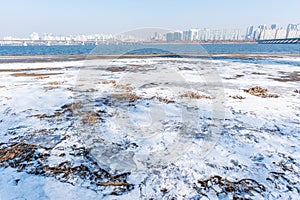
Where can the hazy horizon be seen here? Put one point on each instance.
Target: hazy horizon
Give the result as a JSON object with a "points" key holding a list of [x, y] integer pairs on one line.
{"points": [[20, 18]]}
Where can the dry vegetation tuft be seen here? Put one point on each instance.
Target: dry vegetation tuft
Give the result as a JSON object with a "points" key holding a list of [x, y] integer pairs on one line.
{"points": [[34, 74], [237, 97], [126, 86], [195, 95], [125, 96], [260, 92], [90, 118]]}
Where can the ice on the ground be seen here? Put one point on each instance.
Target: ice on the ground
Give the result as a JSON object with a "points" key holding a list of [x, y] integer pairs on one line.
{"points": [[129, 118]]}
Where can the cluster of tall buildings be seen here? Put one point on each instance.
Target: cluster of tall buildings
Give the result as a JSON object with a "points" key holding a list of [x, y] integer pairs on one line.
{"points": [[263, 32], [59, 38], [203, 35], [50, 39]]}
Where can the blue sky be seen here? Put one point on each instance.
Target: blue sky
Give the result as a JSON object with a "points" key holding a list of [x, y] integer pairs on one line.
{"points": [[20, 17]]}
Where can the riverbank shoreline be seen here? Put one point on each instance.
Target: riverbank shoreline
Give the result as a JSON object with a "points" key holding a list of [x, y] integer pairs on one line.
{"points": [[78, 57]]}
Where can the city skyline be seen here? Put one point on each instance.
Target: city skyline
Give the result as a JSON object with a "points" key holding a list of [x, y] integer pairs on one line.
{"points": [[252, 33], [20, 18]]}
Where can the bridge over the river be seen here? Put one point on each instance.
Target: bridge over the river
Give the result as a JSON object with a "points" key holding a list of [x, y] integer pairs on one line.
{"points": [[280, 41]]}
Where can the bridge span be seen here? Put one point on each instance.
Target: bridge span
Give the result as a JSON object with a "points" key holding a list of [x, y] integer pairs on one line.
{"points": [[280, 41]]}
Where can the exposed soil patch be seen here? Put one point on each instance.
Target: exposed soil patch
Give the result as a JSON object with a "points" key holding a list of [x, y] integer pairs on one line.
{"points": [[116, 69], [239, 75], [297, 91], [260, 92], [258, 73]]}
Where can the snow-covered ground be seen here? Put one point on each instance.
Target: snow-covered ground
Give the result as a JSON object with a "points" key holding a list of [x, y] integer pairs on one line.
{"points": [[142, 128]]}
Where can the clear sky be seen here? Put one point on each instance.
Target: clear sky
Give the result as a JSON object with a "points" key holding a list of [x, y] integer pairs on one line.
{"points": [[21, 17]]}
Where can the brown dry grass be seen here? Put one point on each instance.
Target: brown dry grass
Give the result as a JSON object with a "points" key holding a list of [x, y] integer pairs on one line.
{"points": [[226, 186], [41, 77], [15, 151], [107, 82], [27, 157], [165, 100], [72, 107], [260, 92], [34, 74], [114, 184], [42, 116], [90, 118], [238, 97], [56, 82], [126, 86], [31, 69], [125, 96], [195, 95]]}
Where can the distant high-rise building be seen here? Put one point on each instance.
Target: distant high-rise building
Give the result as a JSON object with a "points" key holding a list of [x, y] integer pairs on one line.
{"points": [[262, 27], [157, 37], [34, 36], [190, 35], [249, 33], [291, 30], [194, 34], [177, 36], [170, 37], [256, 34], [273, 26], [291, 27], [268, 34], [185, 36], [280, 33]]}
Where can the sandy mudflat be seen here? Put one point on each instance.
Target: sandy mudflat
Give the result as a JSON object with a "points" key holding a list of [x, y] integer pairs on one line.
{"points": [[91, 127]]}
